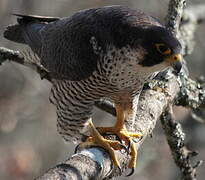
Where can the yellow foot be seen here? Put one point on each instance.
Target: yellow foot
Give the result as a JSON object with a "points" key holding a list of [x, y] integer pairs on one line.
{"points": [[109, 145], [127, 137], [122, 134]]}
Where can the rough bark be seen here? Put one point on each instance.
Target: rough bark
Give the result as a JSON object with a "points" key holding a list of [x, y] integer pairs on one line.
{"points": [[175, 138], [166, 90]]}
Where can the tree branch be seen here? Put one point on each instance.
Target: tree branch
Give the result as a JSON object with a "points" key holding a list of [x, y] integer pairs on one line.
{"points": [[192, 17], [180, 153], [94, 163], [175, 11], [151, 105], [184, 24], [85, 165]]}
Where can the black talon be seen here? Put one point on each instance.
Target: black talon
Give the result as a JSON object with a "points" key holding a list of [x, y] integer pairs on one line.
{"points": [[76, 149], [131, 172], [129, 144], [125, 148], [120, 170], [141, 137], [118, 138], [121, 144], [112, 134]]}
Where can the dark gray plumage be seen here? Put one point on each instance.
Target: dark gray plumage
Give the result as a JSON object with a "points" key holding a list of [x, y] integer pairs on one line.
{"points": [[102, 52], [118, 26]]}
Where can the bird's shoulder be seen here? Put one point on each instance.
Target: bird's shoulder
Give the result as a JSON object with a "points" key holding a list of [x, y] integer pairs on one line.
{"points": [[70, 40]]}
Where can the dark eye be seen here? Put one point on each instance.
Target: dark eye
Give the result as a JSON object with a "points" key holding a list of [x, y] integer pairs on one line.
{"points": [[163, 49]]}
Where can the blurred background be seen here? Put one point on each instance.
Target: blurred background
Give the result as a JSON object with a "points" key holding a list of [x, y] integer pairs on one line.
{"points": [[29, 142]]}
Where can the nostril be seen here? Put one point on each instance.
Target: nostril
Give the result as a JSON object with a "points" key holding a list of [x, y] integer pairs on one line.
{"points": [[175, 58]]}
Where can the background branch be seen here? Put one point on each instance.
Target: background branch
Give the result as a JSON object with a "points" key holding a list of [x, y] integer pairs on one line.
{"points": [[175, 138], [175, 11], [191, 18], [183, 24]]}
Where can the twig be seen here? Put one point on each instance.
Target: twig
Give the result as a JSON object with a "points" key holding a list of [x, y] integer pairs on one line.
{"points": [[180, 153], [86, 165], [16, 56], [106, 106], [174, 15], [184, 30], [8, 54], [192, 16]]}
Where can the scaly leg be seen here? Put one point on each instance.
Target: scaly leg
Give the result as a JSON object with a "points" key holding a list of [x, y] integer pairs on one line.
{"points": [[98, 140], [120, 130]]}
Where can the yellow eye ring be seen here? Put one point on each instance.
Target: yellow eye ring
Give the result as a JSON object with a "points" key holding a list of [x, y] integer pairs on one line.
{"points": [[163, 49]]}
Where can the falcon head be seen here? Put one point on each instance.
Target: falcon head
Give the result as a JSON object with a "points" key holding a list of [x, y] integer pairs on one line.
{"points": [[162, 48]]}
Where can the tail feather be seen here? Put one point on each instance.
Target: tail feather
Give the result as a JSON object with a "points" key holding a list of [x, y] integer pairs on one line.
{"points": [[16, 32], [34, 18]]}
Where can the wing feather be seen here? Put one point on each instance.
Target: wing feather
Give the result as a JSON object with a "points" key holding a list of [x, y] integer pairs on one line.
{"points": [[71, 55], [64, 45]]}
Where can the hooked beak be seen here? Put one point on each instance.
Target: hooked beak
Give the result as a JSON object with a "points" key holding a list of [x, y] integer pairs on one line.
{"points": [[175, 61]]}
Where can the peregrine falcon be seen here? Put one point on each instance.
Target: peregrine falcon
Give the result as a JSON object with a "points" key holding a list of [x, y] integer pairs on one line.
{"points": [[106, 52]]}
